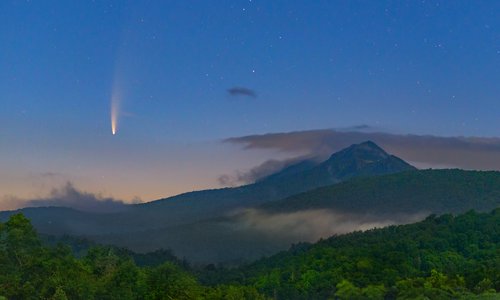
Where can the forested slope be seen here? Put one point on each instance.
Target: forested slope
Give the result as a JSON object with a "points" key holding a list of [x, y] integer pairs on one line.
{"points": [[433, 191], [443, 257]]}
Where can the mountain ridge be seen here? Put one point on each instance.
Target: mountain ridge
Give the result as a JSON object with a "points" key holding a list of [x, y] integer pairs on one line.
{"points": [[440, 191], [199, 205], [316, 174]]}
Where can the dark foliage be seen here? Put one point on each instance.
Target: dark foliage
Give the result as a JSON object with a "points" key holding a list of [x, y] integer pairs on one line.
{"points": [[434, 191], [444, 257], [30, 270]]}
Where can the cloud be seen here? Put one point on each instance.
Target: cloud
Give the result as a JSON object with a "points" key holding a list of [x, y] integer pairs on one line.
{"points": [[67, 196], [311, 225], [361, 127], [241, 91], [478, 153], [258, 172]]}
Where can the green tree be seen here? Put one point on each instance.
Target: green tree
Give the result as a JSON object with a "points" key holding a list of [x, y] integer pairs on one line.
{"points": [[347, 290], [59, 295], [167, 281], [374, 292]]}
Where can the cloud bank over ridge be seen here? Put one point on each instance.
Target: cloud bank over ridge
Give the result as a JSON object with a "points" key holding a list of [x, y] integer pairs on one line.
{"points": [[423, 151], [66, 196]]}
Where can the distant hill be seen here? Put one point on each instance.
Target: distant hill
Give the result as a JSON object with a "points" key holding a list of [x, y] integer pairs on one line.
{"points": [[435, 191]]}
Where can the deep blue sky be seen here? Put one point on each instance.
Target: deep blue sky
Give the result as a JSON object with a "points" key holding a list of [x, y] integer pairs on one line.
{"points": [[423, 67]]}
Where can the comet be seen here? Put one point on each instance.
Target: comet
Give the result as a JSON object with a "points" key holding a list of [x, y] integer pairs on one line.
{"points": [[115, 111]]}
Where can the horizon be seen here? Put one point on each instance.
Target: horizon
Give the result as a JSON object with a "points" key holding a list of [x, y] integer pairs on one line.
{"points": [[137, 102], [249, 149], [69, 196]]}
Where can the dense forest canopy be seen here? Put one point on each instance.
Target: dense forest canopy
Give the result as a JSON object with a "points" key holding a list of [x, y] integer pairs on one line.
{"points": [[441, 257], [31, 270], [445, 257]]}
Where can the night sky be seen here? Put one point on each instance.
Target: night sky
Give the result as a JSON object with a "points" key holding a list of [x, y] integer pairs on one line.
{"points": [[186, 75]]}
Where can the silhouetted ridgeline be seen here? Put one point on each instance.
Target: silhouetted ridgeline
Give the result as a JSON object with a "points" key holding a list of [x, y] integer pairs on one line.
{"points": [[436, 191]]}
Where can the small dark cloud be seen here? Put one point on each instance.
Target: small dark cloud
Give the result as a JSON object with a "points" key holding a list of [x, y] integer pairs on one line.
{"points": [[423, 151], [50, 174], [67, 196], [361, 127], [241, 91]]}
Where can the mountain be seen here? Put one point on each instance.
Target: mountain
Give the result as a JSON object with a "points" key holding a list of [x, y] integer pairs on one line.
{"points": [[365, 159]]}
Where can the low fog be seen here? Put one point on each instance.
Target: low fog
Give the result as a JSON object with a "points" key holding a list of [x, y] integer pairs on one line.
{"points": [[311, 225]]}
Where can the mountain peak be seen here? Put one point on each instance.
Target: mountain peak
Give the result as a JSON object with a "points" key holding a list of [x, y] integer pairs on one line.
{"points": [[368, 144], [365, 158], [367, 150]]}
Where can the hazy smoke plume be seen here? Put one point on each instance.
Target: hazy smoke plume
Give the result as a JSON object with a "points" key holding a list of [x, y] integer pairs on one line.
{"points": [[258, 172], [310, 225], [423, 151], [67, 196]]}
